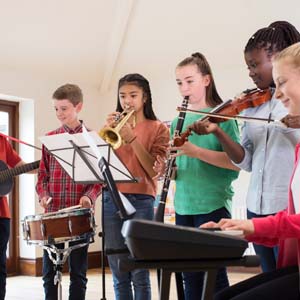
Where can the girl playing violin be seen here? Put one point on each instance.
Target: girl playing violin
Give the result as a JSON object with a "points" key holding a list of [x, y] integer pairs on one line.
{"points": [[263, 146], [204, 172], [282, 229]]}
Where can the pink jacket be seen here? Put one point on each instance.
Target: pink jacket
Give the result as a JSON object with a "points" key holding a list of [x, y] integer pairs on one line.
{"points": [[283, 229]]}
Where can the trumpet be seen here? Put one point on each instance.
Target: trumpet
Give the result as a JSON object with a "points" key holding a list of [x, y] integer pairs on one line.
{"points": [[111, 134]]}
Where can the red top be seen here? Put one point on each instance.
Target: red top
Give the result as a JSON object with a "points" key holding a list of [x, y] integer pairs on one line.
{"points": [[11, 158], [282, 229], [53, 180]]}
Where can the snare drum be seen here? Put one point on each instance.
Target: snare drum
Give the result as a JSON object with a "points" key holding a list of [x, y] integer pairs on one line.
{"points": [[58, 227]]}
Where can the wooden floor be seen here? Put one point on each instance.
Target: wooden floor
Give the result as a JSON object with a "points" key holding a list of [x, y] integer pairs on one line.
{"points": [[27, 287]]}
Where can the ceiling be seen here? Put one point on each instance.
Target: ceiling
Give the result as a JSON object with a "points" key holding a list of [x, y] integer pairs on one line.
{"points": [[99, 40]]}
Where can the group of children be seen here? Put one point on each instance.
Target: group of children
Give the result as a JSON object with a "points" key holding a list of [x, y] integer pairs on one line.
{"points": [[206, 165]]}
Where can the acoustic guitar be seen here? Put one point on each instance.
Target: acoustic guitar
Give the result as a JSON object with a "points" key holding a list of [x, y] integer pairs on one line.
{"points": [[7, 175]]}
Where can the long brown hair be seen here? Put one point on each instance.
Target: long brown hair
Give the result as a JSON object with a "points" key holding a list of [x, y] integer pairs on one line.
{"points": [[212, 96], [141, 82]]}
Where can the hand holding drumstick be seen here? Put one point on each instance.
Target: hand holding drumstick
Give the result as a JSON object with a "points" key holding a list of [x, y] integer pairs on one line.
{"points": [[84, 202], [45, 201]]}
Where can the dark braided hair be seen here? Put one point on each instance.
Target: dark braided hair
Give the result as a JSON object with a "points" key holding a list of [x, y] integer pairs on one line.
{"points": [[141, 82], [274, 38], [198, 59]]}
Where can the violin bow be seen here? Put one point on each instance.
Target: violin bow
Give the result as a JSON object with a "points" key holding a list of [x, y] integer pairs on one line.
{"points": [[228, 117]]}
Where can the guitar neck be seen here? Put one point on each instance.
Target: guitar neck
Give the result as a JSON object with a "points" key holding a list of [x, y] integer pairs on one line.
{"points": [[4, 175]]}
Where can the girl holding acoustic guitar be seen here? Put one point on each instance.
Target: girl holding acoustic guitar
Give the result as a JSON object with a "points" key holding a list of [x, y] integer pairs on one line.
{"points": [[10, 157]]}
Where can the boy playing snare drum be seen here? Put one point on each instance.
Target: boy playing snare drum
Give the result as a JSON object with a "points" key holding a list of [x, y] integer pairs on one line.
{"points": [[56, 191]]}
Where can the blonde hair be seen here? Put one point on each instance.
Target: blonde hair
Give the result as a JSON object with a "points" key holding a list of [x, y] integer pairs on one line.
{"points": [[291, 53]]}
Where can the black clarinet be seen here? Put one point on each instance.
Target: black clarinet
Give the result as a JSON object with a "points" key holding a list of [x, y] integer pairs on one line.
{"points": [[159, 215]]}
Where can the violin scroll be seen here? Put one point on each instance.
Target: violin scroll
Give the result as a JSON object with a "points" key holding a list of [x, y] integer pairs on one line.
{"points": [[182, 138]]}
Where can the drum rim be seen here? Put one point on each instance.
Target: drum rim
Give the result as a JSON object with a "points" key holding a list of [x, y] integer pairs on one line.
{"points": [[60, 240], [62, 214]]}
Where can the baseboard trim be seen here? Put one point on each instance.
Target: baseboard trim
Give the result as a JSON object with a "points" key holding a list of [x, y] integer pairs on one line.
{"points": [[33, 267], [30, 266], [252, 270]]}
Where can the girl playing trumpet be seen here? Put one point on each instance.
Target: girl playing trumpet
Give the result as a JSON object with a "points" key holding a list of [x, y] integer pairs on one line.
{"points": [[142, 143]]}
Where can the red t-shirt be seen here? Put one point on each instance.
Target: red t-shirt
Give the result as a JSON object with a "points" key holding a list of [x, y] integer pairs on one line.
{"points": [[11, 158]]}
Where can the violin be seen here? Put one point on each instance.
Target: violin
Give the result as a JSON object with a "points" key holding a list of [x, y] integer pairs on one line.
{"points": [[230, 110], [250, 98]]}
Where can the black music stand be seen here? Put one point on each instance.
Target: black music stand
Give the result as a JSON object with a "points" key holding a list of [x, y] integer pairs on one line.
{"points": [[82, 156], [123, 212]]}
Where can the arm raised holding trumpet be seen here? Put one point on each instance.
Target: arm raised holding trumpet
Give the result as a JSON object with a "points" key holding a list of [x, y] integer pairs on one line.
{"points": [[119, 128]]}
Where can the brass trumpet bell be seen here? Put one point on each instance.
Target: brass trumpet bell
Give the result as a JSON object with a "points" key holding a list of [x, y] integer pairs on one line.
{"points": [[111, 135]]}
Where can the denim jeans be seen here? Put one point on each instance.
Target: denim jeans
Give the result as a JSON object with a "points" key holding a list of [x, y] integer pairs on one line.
{"points": [[267, 255], [193, 281], [123, 281], [78, 264], [4, 237]]}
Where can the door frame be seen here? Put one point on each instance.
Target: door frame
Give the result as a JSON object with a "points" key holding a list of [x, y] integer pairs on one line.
{"points": [[12, 108]]}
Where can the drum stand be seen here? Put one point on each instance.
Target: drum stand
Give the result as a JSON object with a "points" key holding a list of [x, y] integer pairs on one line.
{"points": [[61, 257]]}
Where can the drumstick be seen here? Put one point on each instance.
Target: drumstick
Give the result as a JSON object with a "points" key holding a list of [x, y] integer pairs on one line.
{"points": [[71, 207], [49, 200]]}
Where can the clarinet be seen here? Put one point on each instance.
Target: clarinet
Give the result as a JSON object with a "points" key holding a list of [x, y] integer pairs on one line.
{"points": [[159, 215]]}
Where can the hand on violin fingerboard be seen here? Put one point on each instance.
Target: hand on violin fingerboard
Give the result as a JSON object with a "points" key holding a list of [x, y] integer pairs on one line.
{"points": [[203, 127], [291, 121]]}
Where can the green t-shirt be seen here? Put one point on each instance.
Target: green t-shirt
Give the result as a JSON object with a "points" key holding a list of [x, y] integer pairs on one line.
{"points": [[201, 187]]}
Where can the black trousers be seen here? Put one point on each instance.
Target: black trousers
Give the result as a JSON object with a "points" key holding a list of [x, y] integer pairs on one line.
{"points": [[276, 285], [4, 237]]}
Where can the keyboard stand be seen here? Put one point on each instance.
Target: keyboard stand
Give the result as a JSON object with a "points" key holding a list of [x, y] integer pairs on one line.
{"points": [[209, 266]]}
